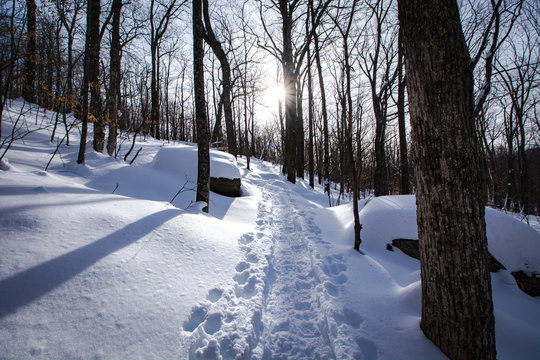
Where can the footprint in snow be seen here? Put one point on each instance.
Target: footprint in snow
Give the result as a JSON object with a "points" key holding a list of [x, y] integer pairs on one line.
{"points": [[198, 315], [214, 295], [246, 239], [241, 266], [252, 258], [241, 277], [249, 289], [213, 323]]}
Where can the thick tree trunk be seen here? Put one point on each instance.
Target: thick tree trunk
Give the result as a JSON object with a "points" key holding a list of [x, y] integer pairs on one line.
{"points": [[203, 170], [114, 87], [457, 309]]}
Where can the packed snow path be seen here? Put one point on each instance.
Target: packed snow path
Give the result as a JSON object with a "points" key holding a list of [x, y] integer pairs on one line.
{"points": [[284, 303]]}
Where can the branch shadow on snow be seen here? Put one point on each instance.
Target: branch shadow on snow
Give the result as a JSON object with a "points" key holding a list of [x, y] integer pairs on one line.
{"points": [[29, 285]]}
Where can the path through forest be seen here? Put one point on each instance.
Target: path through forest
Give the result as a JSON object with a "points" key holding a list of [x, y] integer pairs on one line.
{"points": [[285, 299]]}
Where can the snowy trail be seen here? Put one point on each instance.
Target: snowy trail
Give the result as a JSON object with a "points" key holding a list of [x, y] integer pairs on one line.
{"points": [[295, 323], [284, 302]]}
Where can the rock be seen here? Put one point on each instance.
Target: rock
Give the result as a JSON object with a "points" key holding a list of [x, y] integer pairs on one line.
{"points": [[529, 284], [226, 187], [410, 247]]}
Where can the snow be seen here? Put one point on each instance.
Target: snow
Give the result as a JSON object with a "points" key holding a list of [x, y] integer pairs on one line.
{"points": [[182, 159], [97, 262]]}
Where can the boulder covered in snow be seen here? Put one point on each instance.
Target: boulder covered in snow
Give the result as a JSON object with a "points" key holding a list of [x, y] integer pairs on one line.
{"points": [[181, 160]]}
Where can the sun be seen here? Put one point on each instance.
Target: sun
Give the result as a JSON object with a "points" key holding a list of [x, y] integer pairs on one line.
{"points": [[273, 93]]}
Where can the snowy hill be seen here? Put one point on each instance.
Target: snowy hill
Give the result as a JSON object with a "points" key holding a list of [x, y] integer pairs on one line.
{"points": [[97, 263]]}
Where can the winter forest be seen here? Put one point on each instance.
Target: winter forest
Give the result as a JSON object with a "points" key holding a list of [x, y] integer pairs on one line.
{"points": [[270, 179]]}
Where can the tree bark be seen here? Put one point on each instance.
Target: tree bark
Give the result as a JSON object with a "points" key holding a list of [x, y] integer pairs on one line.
{"points": [[29, 73], [203, 169], [289, 82], [114, 87], [326, 146], [352, 163], [299, 131], [457, 309], [91, 68], [403, 156], [311, 160], [95, 112], [226, 81]]}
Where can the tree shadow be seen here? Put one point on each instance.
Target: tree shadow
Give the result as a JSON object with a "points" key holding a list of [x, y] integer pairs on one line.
{"points": [[29, 285]]}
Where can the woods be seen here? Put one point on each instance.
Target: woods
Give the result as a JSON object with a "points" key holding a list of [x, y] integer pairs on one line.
{"points": [[134, 60], [366, 98]]}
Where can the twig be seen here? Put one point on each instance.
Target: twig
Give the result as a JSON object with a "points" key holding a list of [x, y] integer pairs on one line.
{"points": [[181, 190]]}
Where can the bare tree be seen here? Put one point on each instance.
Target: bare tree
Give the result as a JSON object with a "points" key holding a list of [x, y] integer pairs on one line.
{"points": [[345, 33], [68, 13], [30, 58], [114, 84], [91, 71], [203, 172], [377, 64], [159, 23], [403, 152], [225, 100], [520, 79], [457, 309], [291, 70]]}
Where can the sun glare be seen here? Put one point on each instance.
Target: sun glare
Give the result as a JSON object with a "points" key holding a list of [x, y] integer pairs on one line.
{"points": [[273, 93]]}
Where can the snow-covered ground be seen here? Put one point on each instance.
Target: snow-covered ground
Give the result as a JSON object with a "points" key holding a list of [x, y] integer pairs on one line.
{"points": [[96, 262]]}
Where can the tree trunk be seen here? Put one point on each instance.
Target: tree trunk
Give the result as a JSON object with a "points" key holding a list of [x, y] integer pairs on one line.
{"points": [[381, 170], [299, 131], [226, 81], [311, 160], [523, 165], [403, 158], [93, 78], [457, 309], [203, 170], [154, 91], [352, 163], [289, 81], [91, 68], [29, 73], [114, 87], [326, 146]]}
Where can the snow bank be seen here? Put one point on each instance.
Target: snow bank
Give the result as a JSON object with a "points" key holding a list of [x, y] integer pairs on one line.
{"points": [[182, 159], [515, 244]]}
